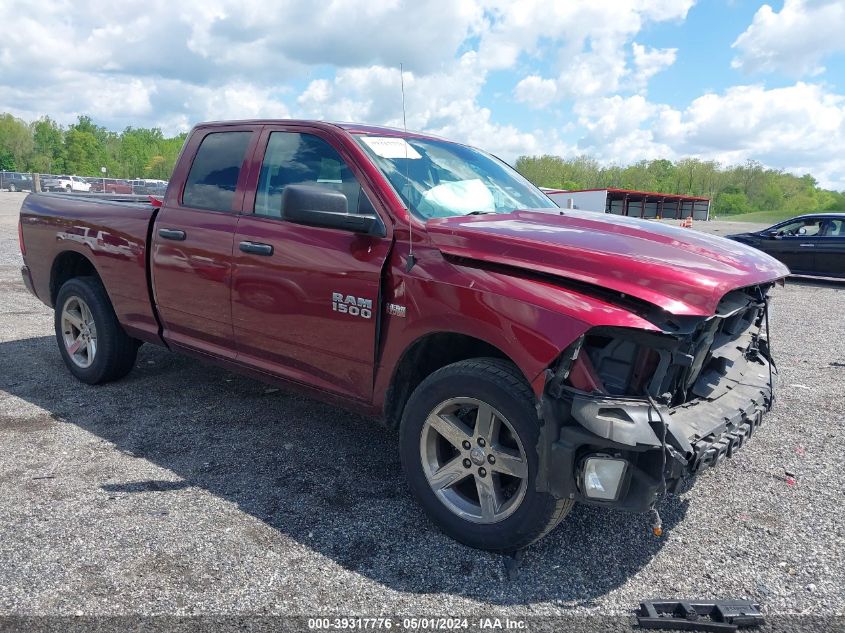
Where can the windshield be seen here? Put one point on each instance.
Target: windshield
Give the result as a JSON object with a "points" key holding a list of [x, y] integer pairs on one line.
{"points": [[439, 179]]}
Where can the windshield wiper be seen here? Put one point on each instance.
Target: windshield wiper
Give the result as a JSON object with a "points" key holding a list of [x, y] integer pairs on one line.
{"points": [[480, 212]]}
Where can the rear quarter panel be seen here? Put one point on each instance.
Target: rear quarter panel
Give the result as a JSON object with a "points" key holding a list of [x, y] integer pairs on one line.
{"points": [[112, 236]]}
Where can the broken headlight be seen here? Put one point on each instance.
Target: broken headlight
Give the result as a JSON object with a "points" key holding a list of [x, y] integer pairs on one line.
{"points": [[615, 361]]}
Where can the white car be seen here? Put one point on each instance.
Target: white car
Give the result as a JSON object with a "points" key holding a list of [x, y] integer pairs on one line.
{"points": [[66, 183]]}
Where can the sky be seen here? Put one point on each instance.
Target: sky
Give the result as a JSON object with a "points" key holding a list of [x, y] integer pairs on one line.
{"points": [[618, 80]]}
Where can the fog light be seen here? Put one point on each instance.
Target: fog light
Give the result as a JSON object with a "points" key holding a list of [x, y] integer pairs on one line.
{"points": [[603, 477]]}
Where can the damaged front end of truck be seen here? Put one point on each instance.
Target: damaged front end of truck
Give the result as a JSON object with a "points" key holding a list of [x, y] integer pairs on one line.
{"points": [[630, 414]]}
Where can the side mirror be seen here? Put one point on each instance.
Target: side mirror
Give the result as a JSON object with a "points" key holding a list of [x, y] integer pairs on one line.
{"points": [[772, 233], [318, 206]]}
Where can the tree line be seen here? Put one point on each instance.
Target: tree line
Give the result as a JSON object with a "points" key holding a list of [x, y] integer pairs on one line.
{"points": [[733, 189], [83, 148]]}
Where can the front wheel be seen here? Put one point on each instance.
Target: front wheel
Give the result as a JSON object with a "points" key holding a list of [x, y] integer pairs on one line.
{"points": [[468, 447], [93, 344]]}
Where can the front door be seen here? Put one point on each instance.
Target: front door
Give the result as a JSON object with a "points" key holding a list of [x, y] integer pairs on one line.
{"points": [[305, 299], [192, 246], [794, 244]]}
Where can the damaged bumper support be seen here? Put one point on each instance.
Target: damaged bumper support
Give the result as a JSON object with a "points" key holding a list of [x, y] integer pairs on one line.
{"points": [[698, 435]]}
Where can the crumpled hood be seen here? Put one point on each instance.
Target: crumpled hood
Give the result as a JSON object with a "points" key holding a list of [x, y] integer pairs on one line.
{"points": [[683, 271]]}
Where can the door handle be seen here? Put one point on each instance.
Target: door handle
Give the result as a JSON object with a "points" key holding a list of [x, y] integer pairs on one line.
{"points": [[172, 234], [806, 245], [256, 248]]}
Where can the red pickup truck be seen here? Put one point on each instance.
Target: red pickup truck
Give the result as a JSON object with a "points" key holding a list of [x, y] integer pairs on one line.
{"points": [[531, 357], [110, 186]]}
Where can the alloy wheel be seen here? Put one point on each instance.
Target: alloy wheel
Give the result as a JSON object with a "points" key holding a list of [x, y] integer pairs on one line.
{"points": [[79, 332], [473, 460]]}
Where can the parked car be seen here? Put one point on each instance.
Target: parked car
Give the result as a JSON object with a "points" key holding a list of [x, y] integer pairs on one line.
{"points": [[529, 359], [16, 181], [809, 244], [66, 183], [149, 187], [110, 185]]}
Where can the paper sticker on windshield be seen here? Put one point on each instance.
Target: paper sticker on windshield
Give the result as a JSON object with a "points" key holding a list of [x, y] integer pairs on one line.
{"points": [[390, 147]]}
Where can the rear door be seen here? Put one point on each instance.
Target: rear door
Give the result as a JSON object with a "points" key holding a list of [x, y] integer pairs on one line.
{"points": [[830, 248], [305, 299], [192, 242]]}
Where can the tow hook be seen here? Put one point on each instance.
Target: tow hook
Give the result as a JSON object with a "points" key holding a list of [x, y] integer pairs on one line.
{"points": [[656, 523]]}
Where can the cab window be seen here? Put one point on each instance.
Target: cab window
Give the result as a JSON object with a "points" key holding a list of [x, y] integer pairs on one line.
{"points": [[833, 228], [293, 158], [215, 171]]}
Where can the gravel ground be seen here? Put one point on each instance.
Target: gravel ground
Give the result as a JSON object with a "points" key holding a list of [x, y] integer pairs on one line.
{"points": [[185, 489]]}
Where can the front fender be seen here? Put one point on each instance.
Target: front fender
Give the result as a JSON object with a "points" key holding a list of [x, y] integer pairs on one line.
{"points": [[529, 320]]}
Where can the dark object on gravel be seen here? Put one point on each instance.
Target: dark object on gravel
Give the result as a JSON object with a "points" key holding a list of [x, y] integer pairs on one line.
{"points": [[686, 615]]}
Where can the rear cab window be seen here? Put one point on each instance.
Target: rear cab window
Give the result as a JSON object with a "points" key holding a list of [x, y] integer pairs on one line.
{"points": [[215, 171]]}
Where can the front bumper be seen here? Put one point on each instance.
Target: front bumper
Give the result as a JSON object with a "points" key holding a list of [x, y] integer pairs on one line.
{"points": [[698, 434]]}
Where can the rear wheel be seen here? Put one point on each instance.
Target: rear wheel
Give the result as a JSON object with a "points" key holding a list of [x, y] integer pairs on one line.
{"points": [[12, 187], [68, 188], [93, 345], [468, 446]]}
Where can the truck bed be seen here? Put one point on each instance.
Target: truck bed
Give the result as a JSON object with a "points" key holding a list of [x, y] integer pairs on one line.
{"points": [[113, 235]]}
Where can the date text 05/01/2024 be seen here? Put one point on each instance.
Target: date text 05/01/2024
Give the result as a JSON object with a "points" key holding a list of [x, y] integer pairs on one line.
{"points": [[416, 624]]}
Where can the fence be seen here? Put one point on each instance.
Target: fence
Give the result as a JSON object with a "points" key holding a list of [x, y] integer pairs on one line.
{"points": [[23, 181]]}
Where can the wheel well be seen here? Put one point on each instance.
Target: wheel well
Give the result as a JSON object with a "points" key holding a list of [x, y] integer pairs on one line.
{"points": [[425, 356], [67, 266]]}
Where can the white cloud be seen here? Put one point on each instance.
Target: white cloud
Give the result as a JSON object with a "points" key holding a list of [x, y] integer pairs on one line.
{"points": [[522, 27], [535, 91], [589, 41], [619, 129], [793, 41], [190, 38], [794, 128], [650, 61], [799, 128], [165, 62], [443, 103], [587, 64], [186, 55]]}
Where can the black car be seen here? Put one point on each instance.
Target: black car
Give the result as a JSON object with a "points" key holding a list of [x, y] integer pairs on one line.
{"points": [[15, 181], [808, 244]]}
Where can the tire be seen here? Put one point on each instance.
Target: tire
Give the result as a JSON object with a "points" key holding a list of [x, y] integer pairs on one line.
{"points": [[82, 301], [524, 514], [69, 189], [12, 188]]}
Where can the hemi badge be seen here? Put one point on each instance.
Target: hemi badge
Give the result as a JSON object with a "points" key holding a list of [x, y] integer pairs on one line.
{"points": [[395, 309]]}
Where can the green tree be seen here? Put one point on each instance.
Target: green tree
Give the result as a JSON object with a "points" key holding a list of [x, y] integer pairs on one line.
{"points": [[15, 141], [49, 146], [7, 161], [733, 189], [83, 147], [731, 201], [83, 152], [137, 147]]}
